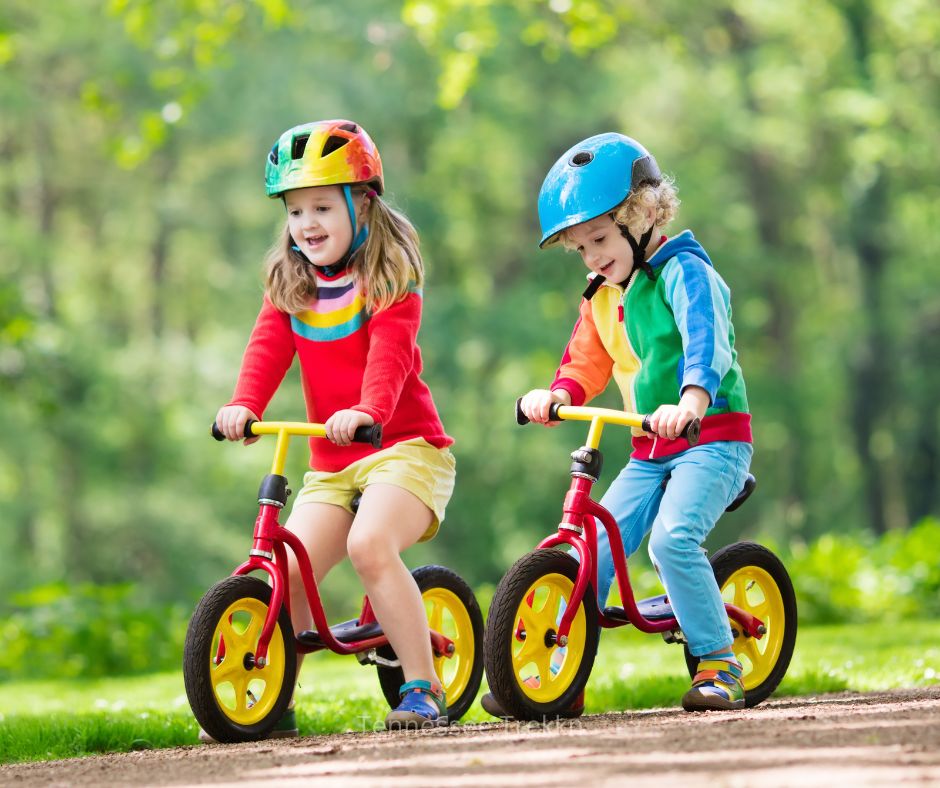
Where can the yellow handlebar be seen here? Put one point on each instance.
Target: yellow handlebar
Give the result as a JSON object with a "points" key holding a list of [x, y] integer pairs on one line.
{"points": [[601, 416], [285, 429]]}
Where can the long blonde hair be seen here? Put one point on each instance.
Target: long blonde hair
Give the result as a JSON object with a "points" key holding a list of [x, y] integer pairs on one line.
{"points": [[386, 266]]}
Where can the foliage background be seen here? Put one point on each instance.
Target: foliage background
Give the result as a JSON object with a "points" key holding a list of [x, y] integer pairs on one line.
{"points": [[803, 139]]}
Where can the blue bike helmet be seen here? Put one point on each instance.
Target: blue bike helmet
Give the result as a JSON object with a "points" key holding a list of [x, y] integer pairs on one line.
{"points": [[591, 179]]}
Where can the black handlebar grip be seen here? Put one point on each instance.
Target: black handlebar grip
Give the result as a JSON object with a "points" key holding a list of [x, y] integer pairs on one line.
{"points": [[521, 418], [371, 434], [691, 431], [220, 436]]}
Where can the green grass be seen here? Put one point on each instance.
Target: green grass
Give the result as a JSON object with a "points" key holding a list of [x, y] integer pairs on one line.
{"points": [[60, 719]]}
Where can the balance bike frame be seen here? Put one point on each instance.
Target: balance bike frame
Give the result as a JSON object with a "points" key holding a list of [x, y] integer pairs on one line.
{"points": [[578, 528], [271, 541]]}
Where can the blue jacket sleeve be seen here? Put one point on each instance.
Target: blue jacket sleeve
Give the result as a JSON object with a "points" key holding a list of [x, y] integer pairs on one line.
{"points": [[701, 305]]}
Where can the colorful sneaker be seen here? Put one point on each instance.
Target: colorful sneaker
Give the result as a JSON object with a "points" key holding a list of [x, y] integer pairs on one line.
{"points": [[423, 705], [492, 706], [717, 685], [286, 728]]}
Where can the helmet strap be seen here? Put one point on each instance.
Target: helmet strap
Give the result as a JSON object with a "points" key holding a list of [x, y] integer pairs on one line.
{"points": [[360, 235], [639, 249]]}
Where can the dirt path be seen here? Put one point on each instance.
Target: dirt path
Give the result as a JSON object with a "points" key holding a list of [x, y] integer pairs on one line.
{"points": [[832, 740]]}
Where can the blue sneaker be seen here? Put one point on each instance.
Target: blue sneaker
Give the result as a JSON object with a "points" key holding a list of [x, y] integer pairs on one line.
{"points": [[422, 706]]}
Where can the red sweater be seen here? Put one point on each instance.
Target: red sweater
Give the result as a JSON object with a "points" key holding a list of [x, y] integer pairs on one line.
{"points": [[348, 359]]}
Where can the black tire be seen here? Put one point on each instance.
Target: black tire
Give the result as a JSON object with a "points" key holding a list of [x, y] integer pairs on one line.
{"points": [[219, 710], [505, 660], [766, 669], [462, 673]]}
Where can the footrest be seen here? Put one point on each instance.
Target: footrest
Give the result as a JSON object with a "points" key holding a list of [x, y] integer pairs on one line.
{"points": [[346, 632], [655, 608]]}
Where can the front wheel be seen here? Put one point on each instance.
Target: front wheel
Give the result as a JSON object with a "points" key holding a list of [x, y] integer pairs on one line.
{"points": [[531, 676], [233, 699], [751, 577], [453, 611]]}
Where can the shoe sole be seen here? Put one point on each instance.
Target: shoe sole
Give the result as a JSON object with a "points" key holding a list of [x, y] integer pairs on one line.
{"points": [[702, 703], [412, 721]]}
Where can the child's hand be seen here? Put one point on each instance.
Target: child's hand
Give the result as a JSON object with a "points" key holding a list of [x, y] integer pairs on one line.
{"points": [[231, 422], [668, 421], [342, 425], [536, 403]]}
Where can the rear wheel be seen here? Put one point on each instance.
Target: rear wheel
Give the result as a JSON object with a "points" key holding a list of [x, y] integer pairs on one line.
{"points": [[452, 610], [751, 577], [231, 697], [530, 675]]}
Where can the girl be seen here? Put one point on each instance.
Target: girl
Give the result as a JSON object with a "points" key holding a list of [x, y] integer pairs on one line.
{"points": [[344, 294], [656, 317]]}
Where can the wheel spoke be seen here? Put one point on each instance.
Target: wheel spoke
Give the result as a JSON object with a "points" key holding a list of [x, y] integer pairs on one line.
{"points": [[252, 631], [228, 633], [529, 623], [740, 598], [551, 603], [750, 648], [544, 664], [436, 616], [227, 670], [531, 646], [241, 692], [761, 610]]}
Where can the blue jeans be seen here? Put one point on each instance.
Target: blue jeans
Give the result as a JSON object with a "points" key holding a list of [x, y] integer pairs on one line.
{"points": [[704, 480]]}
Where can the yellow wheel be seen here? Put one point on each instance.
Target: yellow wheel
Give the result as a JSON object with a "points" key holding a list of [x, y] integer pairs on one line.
{"points": [[232, 697], [452, 610], [752, 578], [529, 673]]}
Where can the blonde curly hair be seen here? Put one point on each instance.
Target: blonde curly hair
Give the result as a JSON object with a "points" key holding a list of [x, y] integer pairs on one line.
{"points": [[632, 212]]}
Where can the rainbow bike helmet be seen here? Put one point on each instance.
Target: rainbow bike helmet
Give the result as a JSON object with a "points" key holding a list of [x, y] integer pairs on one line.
{"points": [[325, 153], [591, 179]]}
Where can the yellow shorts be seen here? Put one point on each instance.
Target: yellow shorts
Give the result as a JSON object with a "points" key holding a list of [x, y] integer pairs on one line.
{"points": [[414, 465]]}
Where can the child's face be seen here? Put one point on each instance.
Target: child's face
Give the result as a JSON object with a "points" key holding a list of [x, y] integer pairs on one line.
{"points": [[603, 248], [318, 220]]}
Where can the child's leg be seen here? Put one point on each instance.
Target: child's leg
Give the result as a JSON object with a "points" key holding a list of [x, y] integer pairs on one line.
{"points": [[704, 481], [391, 519], [323, 528], [632, 499]]}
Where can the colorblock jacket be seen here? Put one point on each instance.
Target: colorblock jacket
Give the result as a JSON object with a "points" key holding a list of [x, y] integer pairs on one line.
{"points": [[656, 336], [348, 359]]}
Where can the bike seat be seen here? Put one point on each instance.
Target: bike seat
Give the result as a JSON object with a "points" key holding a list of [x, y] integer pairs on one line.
{"points": [[354, 503], [655, 608], [749, 484], [346, 632]]}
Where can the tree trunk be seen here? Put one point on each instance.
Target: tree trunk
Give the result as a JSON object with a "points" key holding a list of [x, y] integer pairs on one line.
{"points": [[874, 370]]}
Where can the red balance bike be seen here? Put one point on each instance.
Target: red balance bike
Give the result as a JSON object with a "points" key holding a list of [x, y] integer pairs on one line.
{"points": [[240, 655], [544, 623]]}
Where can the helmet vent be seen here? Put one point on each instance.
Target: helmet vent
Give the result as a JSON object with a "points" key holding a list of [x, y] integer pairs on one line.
{"points": [[581, 158], [272, 156], [298, 146], [352, 128], [332, 144]]}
